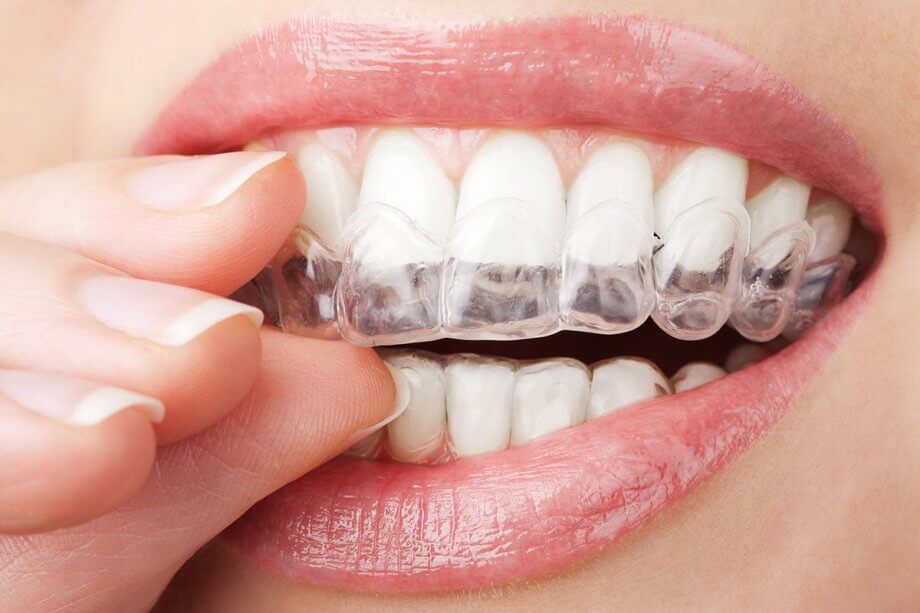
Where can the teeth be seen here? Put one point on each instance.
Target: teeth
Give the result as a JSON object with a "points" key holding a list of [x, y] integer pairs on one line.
{"points": [[500, 273], [391, 279], [466, 405], [705, 231], [621, 382], [618, 171], [774, 267], [694, 375], [606, 281], [831, 220], [515, 165], [503, 258], [331, 192], [780, 204], [479, 402], [705, 173], [401, 172], [419, 432], [549, 396]]}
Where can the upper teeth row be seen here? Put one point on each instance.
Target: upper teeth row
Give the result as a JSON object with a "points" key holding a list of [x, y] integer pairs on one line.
{"points": [[511, 254]]}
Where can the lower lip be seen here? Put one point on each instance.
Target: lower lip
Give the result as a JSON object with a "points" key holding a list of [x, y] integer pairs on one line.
{"points": [[526, 511]]}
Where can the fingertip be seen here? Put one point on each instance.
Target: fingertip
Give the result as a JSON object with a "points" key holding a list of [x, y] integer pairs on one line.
{"points": [[228, 244], [207, 378], [54, 475]]}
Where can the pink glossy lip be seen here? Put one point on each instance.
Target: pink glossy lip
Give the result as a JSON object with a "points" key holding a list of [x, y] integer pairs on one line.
{"points": [[525, 511]]}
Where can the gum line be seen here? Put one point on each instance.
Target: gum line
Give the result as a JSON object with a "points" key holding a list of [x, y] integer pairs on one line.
{"points": [[606, 275]]}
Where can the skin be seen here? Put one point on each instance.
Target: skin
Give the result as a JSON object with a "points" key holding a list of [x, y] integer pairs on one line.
{"points": [[818, 515]]}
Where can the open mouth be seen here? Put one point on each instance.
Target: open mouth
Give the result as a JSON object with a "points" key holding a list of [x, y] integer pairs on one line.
{"points": [[563, 235]]}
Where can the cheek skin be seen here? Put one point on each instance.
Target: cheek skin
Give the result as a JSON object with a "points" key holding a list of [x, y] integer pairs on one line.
{"points": [[855, 425]]}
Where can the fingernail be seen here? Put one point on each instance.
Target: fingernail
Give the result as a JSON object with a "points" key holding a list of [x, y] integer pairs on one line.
{"points": [[197, 182], [159, 312], [399, 405], [72, 400]]}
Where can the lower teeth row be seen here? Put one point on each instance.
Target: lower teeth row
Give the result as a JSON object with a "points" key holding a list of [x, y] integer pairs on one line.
{"points": [[502, 276], [465, 405]]}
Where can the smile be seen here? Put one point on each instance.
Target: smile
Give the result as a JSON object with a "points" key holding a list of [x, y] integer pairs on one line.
{"points": [[672, 237]]}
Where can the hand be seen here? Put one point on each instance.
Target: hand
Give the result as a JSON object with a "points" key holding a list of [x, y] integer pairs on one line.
{"points": [[140, 414]]}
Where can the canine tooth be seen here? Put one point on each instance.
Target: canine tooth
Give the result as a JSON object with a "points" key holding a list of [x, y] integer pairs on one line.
{"points": [[745, 355], [400, 171], [706, 173], [420, 430], [621, 382], [831, 220], [694, 375], [779, 204], [479, 402], [549, 396], [519, 166], [332, 192], [698, 270], [617, 171]]}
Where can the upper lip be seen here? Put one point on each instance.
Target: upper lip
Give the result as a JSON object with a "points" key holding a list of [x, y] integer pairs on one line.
{"points": [[491, 518]]}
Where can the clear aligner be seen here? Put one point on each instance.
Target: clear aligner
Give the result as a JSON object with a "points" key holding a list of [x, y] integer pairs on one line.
{"points": [[770, 281], [606, 283], [504, 273], [698, 268], [824, 285]]}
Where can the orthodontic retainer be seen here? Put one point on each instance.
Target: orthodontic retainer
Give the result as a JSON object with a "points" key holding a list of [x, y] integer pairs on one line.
{"points": [[505, 274]]}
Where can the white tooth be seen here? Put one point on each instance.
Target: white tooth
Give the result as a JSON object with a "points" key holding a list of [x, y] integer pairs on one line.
{"points": [[621, 382], [519, 166], [831, 220], [331, 191], [419, 431], [549, 396], [479, 400], [779, 204], [744, 355], [694, 375], [401, 171], [618, 171], [705, 173]]}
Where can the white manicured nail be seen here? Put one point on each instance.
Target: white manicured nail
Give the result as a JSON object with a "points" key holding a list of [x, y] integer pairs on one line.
{"points": [[399, 405], [197, 182], [73, 400], [159, 312]]}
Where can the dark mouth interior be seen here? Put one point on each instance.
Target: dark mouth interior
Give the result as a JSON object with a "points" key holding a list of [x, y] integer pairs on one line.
{"points": [[648, 341]]}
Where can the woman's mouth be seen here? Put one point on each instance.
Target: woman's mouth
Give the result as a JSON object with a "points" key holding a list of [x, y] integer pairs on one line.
{"points": [[633, 204]]}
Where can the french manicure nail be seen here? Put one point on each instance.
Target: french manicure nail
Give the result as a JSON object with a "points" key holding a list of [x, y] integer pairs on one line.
{"points": [[72, 400], [197, 182], [399, 406], [159, 312]]}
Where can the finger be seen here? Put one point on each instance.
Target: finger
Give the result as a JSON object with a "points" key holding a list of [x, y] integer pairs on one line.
{"points": [[70, 449], [310, 400], [209, 222], [62, 313]]}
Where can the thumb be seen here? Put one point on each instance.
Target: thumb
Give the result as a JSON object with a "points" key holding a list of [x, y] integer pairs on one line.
{"points": [[311, 400]]}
